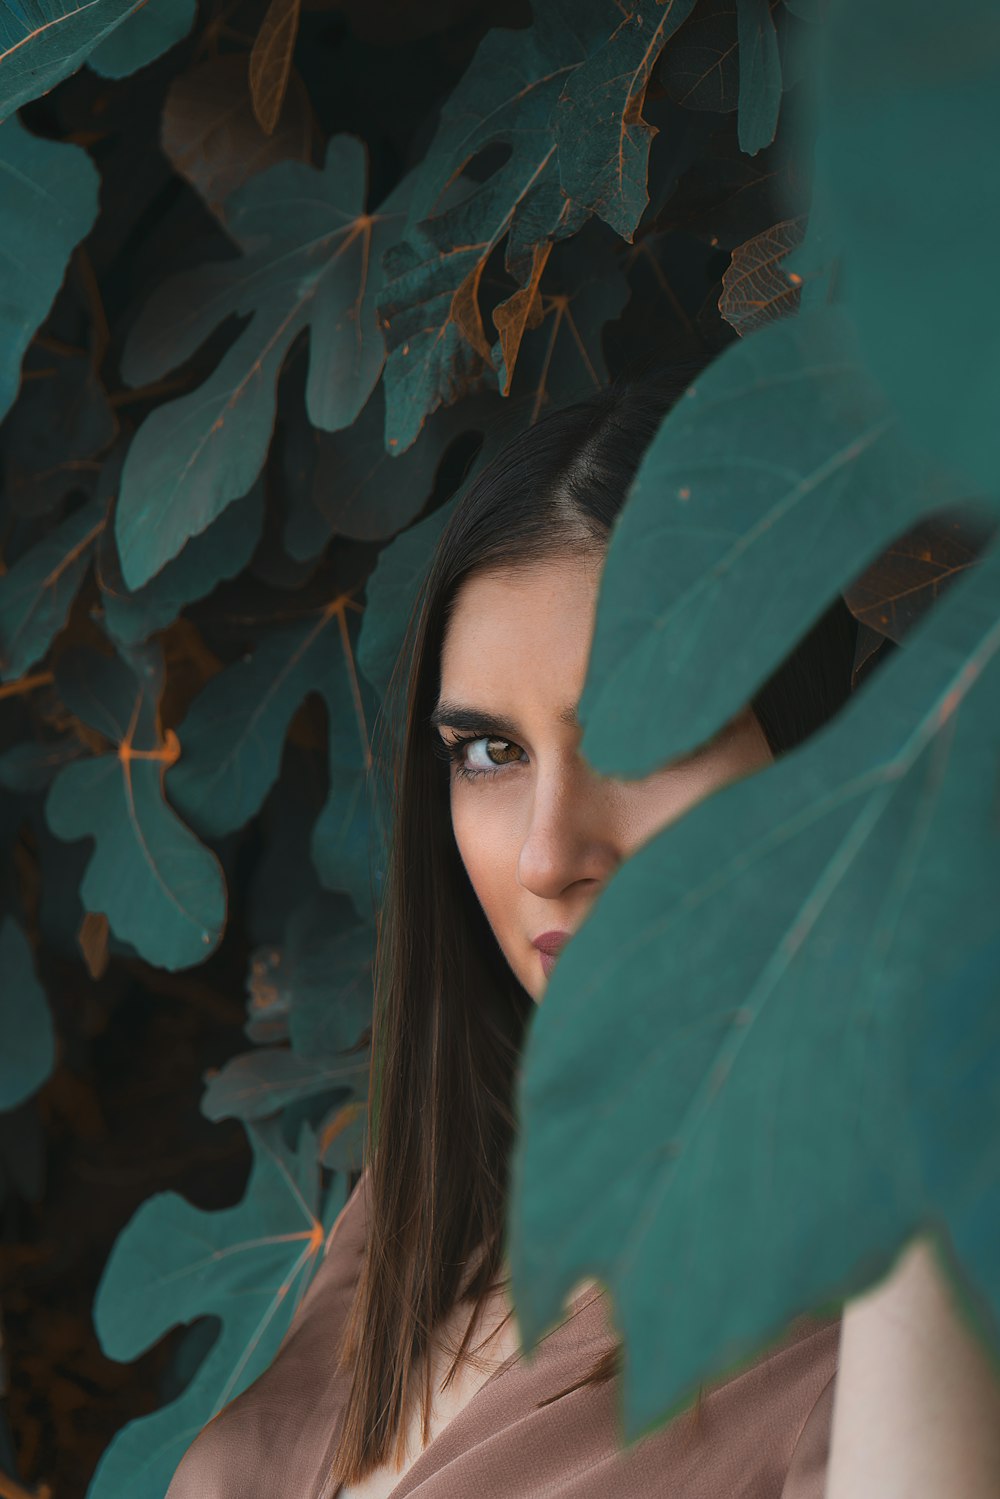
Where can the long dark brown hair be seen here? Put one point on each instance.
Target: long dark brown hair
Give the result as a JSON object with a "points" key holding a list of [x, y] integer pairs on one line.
{"points": [[450, 1016]]}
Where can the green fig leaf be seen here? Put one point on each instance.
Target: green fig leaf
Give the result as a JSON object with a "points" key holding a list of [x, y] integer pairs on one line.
{"points": [[249, 1266], [437, 346], [232, 737], [143, 36], [44, 41], [725, 552], [160, 888], [906, 169], [602, 138], [760, 1114], [221, 551], [310, 259], [37, 593], [48, 203]]}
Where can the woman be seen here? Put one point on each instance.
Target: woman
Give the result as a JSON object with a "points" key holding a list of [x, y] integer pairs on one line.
{"points": [[401, 1371]]}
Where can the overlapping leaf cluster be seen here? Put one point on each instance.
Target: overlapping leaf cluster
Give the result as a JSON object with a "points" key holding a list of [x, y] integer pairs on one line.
{"points": [[259, 321]]}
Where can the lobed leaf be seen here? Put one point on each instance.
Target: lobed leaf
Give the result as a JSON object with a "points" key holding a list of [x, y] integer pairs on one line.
{"points": [[37, 592], [769, 486], [43, 41], [232, 737], [310, 259], [437, 346], [48, 203], [160, 889], [905, 167], [143, 36], [222, 551], [248, 1266], [759, 1111], [602, 137]]}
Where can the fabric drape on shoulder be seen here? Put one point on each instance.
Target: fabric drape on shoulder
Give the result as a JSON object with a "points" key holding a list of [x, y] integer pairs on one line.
{"points": [[761, 1434]]}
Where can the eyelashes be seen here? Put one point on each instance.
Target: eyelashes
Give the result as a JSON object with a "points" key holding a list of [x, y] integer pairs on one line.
{"points": [[451, 750]]}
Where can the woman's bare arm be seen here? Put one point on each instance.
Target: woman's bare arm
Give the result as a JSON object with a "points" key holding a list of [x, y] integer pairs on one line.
{"points": [[917, 1405]]}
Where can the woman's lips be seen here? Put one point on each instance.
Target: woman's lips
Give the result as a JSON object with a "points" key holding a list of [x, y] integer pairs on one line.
{"points": [[549, 945]]}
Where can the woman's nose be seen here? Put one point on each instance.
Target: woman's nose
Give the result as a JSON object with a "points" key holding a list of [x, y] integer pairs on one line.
{"points": [[571, 835]]}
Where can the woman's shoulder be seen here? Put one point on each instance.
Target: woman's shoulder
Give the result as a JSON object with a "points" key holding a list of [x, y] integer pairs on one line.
{"points": [[271, 1438]]}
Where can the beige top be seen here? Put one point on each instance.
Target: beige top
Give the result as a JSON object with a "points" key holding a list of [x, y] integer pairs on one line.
{"points": [[762, 1433]]}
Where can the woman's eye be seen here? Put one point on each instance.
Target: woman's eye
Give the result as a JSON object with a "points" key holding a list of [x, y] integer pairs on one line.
{"points": [[471, 755]]}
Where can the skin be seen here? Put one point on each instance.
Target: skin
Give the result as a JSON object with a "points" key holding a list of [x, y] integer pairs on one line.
{"points": [[541, 836], [917, 1399]]}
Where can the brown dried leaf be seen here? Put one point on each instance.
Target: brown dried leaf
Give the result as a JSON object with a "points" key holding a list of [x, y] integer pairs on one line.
{"points": [[755, 287], [907, 578], [271, 61], [212, 137]]}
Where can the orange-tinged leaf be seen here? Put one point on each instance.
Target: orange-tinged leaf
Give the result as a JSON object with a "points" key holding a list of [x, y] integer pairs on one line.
{"points": [[521, 311], [271, 61], [755, 287]]}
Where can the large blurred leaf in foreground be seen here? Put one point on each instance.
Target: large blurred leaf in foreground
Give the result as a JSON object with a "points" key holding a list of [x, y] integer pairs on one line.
{"points": [[773, 481], [48, 203], [248, 1265], [161, 889], [909, 121], [311, 259], [753, 1111]]}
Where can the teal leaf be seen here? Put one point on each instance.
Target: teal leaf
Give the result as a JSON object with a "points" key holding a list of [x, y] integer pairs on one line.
{"points": [[221, 551], [906, 156], [700, 69], [44, 41], [143, 36], [760, 1120], [330, 975], [260, 1083], [779, 474], [324, 974], [341, 1136], [36, 594], [248, 1265], [437, 346], [347, 484], [600, 132], [27, 1037], [760, 75], [232, 737], [391, 593], [48, 203], [310, 259], [953, 1046], [160, 888]]}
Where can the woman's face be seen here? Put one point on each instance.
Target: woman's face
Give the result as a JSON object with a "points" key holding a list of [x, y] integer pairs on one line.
{"points": [[539, 832]]}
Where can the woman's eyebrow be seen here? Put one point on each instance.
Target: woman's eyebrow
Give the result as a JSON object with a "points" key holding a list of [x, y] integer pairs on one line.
{"points": [[462, 716]]}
